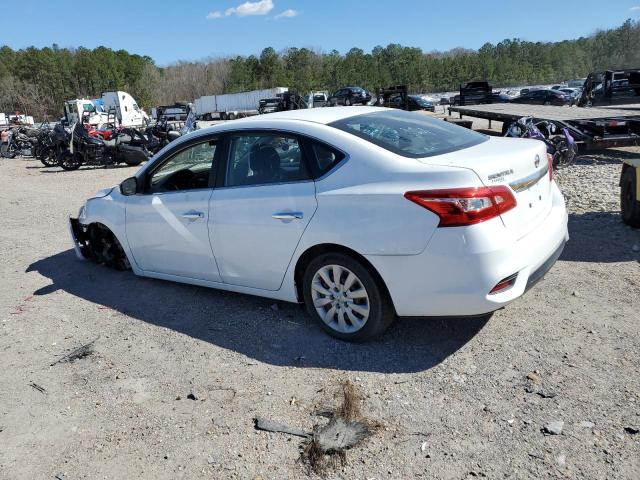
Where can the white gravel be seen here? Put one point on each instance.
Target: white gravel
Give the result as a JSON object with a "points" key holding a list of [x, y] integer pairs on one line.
{"points": [[452, 395]]}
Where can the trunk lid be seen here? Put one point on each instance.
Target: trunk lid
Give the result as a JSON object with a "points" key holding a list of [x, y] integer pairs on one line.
{"points": [[518, 163]]}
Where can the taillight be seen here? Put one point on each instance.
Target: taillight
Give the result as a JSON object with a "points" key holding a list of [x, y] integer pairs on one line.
{"points": [[457, 207], [550, 163]]}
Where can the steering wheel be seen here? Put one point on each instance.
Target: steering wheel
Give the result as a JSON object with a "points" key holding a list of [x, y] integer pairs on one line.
{"points": [[179, 180]]}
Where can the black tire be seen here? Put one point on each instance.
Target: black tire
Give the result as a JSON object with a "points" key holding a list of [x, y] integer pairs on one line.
{"points": [[347, 102], [223, 116], [231, 116], [629, 204], [104, 248], [69, 161], [381, 311], [49, 158]]}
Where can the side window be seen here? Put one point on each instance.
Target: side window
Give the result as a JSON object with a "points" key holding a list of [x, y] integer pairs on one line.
{"points": [[257, 159], [323, 158], [186, 170]]}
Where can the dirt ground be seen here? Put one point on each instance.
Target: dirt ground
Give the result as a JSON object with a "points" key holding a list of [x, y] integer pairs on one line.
{"points": [[455, 398]]}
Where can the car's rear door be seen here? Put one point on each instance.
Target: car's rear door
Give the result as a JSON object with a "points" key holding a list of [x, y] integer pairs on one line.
{"points": [[167, 223], [262, 203]]}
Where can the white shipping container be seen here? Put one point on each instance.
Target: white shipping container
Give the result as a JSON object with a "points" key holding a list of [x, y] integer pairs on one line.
{"points": [[205, 105], [236, 103]]}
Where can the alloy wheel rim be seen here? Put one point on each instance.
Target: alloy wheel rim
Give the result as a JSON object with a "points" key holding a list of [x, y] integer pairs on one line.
{"points": [[340, 298]]}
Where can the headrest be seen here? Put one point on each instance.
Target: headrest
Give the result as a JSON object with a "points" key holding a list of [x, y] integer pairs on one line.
{"points": [[265, 164]]}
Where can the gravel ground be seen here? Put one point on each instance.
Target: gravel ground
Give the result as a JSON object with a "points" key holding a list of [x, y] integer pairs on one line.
{"points": [[454, 398]]}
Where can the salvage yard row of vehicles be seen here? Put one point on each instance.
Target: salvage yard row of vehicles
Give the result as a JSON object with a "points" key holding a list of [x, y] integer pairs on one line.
{"points": [[111, 128]]}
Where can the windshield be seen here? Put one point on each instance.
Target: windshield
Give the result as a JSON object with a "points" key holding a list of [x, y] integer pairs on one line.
{"points": [[409, 134]]}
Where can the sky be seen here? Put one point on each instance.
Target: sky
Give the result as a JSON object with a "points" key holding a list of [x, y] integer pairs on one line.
{"points": [[169, 31]]}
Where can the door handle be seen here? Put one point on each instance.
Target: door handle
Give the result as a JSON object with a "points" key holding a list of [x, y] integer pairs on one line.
{"points": [[287, 215], [192, 215]]}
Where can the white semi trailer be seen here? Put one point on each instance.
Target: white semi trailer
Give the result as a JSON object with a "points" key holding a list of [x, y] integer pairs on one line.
{"points": [[233, 105]]}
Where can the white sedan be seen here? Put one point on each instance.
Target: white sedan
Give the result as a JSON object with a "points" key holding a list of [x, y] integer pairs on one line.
{"points": [[362, 213]]}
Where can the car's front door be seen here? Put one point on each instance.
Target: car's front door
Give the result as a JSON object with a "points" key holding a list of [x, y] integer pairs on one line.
{"points": [[167, 223], [259, 213]]}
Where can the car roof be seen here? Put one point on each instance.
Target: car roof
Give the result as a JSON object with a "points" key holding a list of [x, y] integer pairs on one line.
{"points": [[324, 115]]}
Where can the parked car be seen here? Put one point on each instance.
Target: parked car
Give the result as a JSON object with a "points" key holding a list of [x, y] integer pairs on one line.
{"points": [[362, 213], [499, 97], [350, 96], [574, 93], [416, 102], [493, 97], [413, 103], [544, 97]]}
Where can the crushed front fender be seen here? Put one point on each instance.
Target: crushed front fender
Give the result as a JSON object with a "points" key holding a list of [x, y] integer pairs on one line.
{"points": [[79, 238]]}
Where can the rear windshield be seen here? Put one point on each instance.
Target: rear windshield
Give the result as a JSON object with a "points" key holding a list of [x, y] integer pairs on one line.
{"points": [[409, 134]]}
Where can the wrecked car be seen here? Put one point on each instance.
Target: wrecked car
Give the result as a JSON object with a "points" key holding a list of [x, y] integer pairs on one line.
{"points": [[363, 214]]}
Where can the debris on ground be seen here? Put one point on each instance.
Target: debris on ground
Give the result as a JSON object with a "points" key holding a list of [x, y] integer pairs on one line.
{"points": [[325, 447], [632, 429], [38, 387], [192, 396], [269, 426], [347, 428], [80, 352], [553, 428]]}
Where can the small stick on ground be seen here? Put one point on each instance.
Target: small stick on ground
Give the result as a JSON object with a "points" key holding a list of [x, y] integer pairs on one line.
{"points": [[80, 352], [38, 387]]}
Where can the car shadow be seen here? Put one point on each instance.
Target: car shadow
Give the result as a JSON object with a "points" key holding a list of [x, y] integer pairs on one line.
{"points": [[613, 243], [277, 333]]}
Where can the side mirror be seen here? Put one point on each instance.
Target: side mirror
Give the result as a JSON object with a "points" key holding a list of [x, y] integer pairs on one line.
{"points": [[129, 186]]}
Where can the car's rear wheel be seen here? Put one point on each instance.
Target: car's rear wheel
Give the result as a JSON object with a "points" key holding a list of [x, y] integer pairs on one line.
{"points": [[348, 301], [347, 102]]}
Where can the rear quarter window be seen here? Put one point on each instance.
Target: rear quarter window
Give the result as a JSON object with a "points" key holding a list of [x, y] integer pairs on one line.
{"points": [[409, 134], [322, 157]]}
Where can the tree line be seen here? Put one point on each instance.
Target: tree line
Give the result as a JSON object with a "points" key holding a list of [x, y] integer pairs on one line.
{"points": [[38, 81]]}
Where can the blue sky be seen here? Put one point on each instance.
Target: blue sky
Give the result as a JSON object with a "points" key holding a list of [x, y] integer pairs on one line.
{"points": [[175, 30]]}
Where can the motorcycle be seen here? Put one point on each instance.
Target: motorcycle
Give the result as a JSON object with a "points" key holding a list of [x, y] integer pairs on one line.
{"points": [[45, 140], [562, 147], [21, 142], [160, 135], [124, 146]]}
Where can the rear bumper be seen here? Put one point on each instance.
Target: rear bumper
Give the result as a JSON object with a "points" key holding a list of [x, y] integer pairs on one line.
{"points": [[460, 266]]}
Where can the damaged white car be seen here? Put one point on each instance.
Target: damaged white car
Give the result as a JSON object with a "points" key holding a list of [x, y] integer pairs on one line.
{"points": [[362, 213]]}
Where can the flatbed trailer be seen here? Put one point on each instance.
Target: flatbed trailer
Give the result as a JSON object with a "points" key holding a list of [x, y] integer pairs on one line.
{"points": [[602, 127], [591, 127]]}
